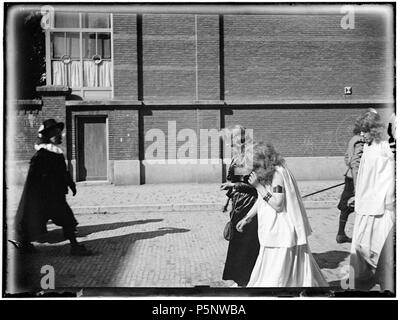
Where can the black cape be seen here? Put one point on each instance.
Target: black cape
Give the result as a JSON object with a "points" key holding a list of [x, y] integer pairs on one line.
{"points": [[43, 197]]}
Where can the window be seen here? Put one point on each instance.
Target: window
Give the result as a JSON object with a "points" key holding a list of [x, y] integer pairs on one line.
{"points": [[66, 20], [96, 20], [80, 50]]}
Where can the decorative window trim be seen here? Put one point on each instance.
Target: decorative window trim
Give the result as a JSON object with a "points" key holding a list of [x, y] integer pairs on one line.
{"points": [[66, 59], [97, 59]]}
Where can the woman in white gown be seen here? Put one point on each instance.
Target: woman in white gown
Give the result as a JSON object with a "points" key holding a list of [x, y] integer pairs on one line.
{"points": [[372, 249], [285, 259]]}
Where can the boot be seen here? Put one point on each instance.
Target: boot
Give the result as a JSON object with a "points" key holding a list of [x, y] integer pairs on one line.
{"points": [[342, 238]]}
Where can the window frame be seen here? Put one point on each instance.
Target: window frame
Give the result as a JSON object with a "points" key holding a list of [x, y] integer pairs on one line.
{"points": [[80, 30]]}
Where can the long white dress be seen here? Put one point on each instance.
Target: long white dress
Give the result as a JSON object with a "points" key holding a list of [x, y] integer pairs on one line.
{"points": [[285, 259], [372, 249]]}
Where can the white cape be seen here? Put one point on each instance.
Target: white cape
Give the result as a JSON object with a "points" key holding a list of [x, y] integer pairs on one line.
{"points": [[295, 207], [285, 259]]}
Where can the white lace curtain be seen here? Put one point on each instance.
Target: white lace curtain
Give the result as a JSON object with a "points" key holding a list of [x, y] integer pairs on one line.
{"points": [[93, 75]]}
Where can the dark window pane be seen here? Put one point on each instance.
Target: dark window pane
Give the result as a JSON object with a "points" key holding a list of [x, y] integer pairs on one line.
{"points": [[104, 45], [58, 44], [96, 20], [73, 45], [88, 45], [66, 20]]}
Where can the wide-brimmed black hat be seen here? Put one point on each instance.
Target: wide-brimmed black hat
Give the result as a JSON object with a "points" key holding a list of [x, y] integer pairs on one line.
{"points": [[50, 124]]}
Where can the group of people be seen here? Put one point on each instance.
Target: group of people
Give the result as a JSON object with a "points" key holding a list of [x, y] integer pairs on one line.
{"points": [[269, 242]]}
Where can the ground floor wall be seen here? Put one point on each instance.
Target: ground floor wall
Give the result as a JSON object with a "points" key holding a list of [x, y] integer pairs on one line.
{"points": [[115, 138]]}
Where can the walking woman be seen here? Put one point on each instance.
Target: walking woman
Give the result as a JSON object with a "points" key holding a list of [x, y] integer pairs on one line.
{"points": [[285, 259], [372, 249], [243, 247], [43, 197]]}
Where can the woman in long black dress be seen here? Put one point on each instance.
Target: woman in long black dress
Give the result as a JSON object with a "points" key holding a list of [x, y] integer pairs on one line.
{"points": [[243, 247]]}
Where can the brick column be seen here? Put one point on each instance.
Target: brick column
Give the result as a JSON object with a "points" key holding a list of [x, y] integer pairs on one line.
{"points": [[124, 145]]}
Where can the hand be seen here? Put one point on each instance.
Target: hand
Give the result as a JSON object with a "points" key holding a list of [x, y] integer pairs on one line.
{"points": [[73, 188], [351, 202], [241, 224], [253, 180], [226, 185]]}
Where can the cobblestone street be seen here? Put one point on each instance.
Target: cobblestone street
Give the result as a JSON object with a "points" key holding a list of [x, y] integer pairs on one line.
{"points": [[160, 249]]}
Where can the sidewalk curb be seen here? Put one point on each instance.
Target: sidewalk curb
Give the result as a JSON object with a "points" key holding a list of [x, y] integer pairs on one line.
{"points": [[180, 207]]}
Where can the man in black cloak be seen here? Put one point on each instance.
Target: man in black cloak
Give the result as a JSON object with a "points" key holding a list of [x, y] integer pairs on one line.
{"points": [[44, 194]]}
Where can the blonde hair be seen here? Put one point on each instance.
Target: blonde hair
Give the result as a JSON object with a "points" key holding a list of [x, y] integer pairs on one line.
{"points": [[265, 161], [371, 122]]}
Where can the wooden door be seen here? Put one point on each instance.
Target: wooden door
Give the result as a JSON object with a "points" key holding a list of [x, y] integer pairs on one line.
{"points": [[92, 148]]}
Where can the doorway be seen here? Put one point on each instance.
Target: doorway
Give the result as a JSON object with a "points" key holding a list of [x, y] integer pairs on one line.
{"points": [[92, 150]]}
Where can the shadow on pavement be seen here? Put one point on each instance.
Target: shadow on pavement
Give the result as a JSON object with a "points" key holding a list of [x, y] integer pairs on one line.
{"points": [[330, 259], [56, 235], [111, 265]]}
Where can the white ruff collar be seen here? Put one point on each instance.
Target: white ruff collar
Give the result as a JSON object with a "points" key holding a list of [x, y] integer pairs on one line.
{"points": [[49, 147]]}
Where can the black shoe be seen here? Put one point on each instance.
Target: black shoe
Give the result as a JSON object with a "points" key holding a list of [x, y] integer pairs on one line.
{"points": [[26, 247], [342, 238], [80, 250]]}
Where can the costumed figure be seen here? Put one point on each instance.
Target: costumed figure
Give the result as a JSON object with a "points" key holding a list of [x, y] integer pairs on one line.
{"points": [[243, 247], [44, 194], [372, 250], [285, 259], [352, 159]]}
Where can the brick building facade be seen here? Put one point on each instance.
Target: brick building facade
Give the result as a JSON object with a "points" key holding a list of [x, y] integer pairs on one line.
{"points": [[280, 70]]}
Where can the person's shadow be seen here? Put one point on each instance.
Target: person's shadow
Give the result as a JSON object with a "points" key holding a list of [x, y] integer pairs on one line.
{"points": [[112, 255], [56, 235], [330, 259]]}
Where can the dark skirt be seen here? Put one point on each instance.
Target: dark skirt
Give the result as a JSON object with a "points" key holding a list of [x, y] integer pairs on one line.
{"points": [[244, 246]]}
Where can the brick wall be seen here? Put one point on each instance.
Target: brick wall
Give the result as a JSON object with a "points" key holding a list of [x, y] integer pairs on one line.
{"points": [[208, 57], [25, 124], [169, 68], [181, 57], [300, 132], [25, 119], [307, 57], [123, 135], [192, 119], [160, 119], [267, 57], [125, 56]]}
